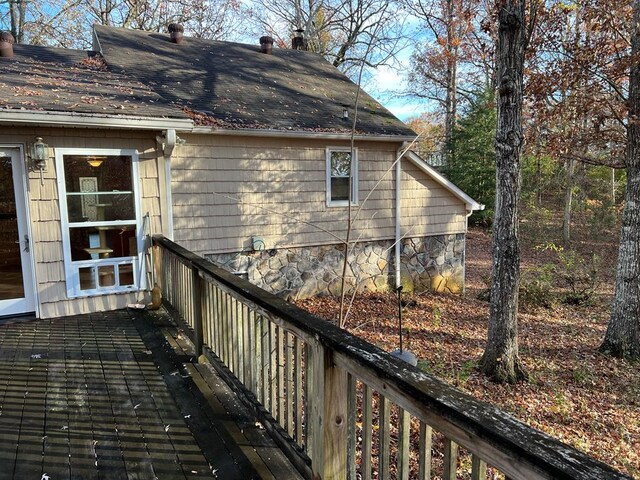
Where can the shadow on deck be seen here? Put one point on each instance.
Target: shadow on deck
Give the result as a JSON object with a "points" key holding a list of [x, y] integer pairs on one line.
{"points": [[116, 395]]}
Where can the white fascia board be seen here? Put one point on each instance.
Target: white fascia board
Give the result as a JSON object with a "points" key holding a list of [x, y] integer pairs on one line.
{"points": [[472, 205], [265, 133], [88, 120]]}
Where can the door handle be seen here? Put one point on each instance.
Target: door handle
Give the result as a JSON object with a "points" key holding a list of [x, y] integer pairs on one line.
{"points": [[26, 243]]}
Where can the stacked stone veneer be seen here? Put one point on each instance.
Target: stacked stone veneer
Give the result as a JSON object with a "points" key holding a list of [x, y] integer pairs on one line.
{"points": [[427, 263]]}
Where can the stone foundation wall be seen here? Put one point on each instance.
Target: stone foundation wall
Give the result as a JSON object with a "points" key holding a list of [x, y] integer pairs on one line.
{"points": [[427, 263]]}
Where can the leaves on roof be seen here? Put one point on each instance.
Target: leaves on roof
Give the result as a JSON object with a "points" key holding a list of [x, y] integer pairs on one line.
{"points": [[95, 62]]}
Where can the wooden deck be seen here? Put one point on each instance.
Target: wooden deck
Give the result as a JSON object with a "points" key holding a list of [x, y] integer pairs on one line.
{"points": [[116, 395]]}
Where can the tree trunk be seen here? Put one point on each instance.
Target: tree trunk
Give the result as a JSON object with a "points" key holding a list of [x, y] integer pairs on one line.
{"points": [[568, 201], [500, 360], [623, 333], [451, 103], [17, 11]]}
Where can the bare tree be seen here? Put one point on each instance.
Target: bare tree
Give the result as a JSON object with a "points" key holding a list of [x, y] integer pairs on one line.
{"points": [[344, 32], [456, 59], [67, 23], [501, 360], [13, 14]]}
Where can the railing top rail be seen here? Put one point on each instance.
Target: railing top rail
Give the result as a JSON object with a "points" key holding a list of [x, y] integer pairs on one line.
{"points": [[484, 422]]}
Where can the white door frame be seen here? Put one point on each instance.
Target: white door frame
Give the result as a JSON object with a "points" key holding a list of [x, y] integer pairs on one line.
{"points": [[29, 302]]}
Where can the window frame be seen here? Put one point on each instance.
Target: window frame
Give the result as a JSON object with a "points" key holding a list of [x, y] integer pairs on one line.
{"points": [[354, 177], [71, 267]]}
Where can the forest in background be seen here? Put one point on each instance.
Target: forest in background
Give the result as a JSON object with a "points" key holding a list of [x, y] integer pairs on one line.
{"points": [[576, 77]]}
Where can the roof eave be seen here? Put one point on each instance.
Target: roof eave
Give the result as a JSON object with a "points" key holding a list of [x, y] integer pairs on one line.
{"points": [[92, 120], [269, 133], [471, 204]]}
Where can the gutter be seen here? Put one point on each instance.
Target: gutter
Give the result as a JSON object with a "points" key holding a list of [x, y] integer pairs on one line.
{"points": [[92, 120], [168, 141], [266, 133], [182, 125]]}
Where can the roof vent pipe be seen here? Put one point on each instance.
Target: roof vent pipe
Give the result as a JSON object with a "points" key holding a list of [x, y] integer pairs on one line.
{"points": [[266, 45], [297, 42], [6, 44], [176, 31]]}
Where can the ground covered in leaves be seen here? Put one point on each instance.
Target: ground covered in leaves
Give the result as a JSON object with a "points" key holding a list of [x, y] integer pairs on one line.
{"points": [[575, 394]]}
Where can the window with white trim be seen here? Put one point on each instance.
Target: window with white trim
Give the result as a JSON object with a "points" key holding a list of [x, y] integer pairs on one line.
{"points": [[341, 168], [100, 214]]}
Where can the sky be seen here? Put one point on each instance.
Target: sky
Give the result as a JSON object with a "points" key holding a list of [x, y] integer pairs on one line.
{"points": [[387, 86]]}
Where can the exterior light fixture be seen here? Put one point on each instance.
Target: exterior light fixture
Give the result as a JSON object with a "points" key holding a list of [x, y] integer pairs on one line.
{"points": [[95, 161], [39, 155]]}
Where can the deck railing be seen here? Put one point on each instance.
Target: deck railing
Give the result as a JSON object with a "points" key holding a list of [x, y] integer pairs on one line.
{"points": [[341, 408]]}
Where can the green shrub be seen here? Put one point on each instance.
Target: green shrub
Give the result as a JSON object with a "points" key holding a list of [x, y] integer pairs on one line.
{"points": [[536, 287], [575, 274]]}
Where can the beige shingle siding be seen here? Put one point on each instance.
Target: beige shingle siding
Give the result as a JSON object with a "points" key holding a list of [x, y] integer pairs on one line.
{"points": [[427, 207], [273, 182], [44, 210], [279, 181]]}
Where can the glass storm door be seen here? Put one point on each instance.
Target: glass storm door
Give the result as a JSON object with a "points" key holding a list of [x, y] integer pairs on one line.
{"points": [[16, 278]]}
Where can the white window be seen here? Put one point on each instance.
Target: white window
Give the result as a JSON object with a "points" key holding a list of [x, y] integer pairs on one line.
{"points": [[100, 213], [342, 170]]}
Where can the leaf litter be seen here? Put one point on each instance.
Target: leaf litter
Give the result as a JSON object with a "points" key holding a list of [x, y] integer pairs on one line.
{"points": [[576, 394]]}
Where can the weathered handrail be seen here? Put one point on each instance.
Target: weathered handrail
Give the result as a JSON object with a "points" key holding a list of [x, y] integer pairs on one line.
{"points": [[319, 390]]}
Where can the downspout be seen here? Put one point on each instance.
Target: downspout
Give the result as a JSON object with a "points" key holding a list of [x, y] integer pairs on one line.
{"points": [[398, 210], [168, 141]]}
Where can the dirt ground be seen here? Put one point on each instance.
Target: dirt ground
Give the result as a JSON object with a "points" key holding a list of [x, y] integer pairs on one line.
{"points": [[575, 394]]}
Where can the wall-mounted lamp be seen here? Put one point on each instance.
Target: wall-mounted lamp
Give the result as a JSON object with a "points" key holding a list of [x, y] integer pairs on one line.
{"points": [[39, 155]]}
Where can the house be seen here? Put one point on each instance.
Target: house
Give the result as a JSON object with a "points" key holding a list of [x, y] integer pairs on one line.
{"points": [[240, 153]]}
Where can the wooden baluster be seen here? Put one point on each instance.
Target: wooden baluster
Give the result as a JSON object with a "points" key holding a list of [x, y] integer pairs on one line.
{"points": [[196, 307], [290, 387], [247, 359], [314, 403], [298, 389], [478, 468], [217, 311], [450, 459], [264, 335], [273, 369], [367, 432], [236, 336], [186, 279], [239, 336], [384, 424], [403, 444], [352, 416], [209, 320], [172, 282], [227, 332], [424, 453], [280, 343], [255, 351]]}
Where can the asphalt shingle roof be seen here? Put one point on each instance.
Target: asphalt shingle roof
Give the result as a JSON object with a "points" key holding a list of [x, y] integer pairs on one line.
{"points": [[220, 84], [232, 85], [64, 80]]}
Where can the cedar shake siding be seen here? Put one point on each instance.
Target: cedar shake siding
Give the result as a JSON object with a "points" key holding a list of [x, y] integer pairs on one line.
{"points": [[228, 189], [44, 211]]}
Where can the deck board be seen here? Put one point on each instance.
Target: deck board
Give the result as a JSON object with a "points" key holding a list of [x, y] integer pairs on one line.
{"points": [[114, 396]]}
